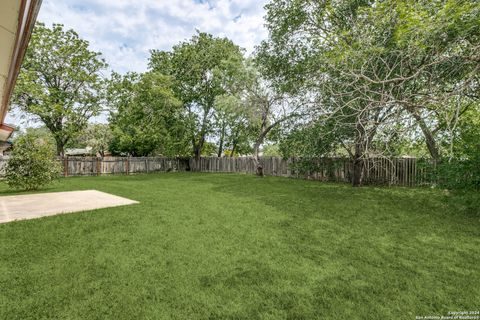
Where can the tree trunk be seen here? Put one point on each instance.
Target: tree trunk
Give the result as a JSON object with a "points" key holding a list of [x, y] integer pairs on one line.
{"points": [[427, 133], [197, 152], [358, 155], [256, 158], [357, 170], [264, 130], [222, 140], [220, 146], [198, 147], [429, 140], [234, 147], [60, 148]]}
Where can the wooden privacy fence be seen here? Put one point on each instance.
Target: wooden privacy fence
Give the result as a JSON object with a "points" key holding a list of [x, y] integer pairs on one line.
{"points": [[85, 166], [375, 171], [92, 166]]}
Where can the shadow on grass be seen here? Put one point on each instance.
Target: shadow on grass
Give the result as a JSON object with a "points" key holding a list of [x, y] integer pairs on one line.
{"points": [[371, 246], [230, 246]]}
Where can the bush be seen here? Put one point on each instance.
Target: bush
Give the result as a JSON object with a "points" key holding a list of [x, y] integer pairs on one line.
{"points": [[459, 174], [32, 163]]}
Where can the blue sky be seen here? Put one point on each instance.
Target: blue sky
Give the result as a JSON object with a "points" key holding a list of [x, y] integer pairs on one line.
{"points": [[125, 30]]}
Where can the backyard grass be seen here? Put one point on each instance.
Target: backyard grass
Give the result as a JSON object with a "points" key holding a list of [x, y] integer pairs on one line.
{"points": [[212, 246]]}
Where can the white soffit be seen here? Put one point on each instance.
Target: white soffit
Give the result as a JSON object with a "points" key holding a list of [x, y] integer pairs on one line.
{"points": [[9, 13]]}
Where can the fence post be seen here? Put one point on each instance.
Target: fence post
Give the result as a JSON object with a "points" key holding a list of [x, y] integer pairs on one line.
{"points": [[65, 166], [127, 169], [98, 166]]}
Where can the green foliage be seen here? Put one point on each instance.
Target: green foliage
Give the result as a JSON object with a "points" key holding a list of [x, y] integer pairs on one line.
{"points": [[209, 149], [319, 139], [41, 133], [467, 134], [60, 82], [32, 163], [235, 124], [271, 150], [98, 137], [396, 72], [462, 169], [202, 70], [459, 173], [260, 109], [146, 117]]}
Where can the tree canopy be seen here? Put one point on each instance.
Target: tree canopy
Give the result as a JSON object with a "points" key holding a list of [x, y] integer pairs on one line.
{"points": [[145, 118], [201, 70], [60, 82], [377, 70]]}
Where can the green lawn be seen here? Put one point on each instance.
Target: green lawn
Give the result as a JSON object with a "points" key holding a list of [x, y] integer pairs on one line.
{"points": [[212, 246]]}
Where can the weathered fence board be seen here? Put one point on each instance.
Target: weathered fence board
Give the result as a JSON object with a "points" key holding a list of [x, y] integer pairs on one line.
{"points": [[84, 166], [376, 171]]}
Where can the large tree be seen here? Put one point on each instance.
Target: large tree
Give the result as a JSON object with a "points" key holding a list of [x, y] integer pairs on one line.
{"points": [[145, 118], [200, 69], [372, 65], [60, 82], [268, 109], [262, 106]]}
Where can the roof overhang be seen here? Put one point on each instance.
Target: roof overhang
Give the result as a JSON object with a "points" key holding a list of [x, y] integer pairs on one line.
{"points": [[5, 132], [17, 19]]}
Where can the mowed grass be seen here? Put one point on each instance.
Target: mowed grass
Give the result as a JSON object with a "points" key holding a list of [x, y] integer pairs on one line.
{"points": [[212, 246]]}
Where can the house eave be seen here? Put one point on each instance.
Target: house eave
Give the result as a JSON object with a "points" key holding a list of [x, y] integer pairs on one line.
{"points": [[17, 19]]}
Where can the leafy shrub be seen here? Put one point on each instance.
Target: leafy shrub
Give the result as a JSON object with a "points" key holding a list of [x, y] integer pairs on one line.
{"points": [[459, 174], [32, 163]]}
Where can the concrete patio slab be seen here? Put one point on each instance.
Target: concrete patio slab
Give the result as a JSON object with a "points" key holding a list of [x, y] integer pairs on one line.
{"points": [[30, 206]]}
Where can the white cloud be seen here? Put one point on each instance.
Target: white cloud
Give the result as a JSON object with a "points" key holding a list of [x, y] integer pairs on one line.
{"points": [[125, 30]]}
